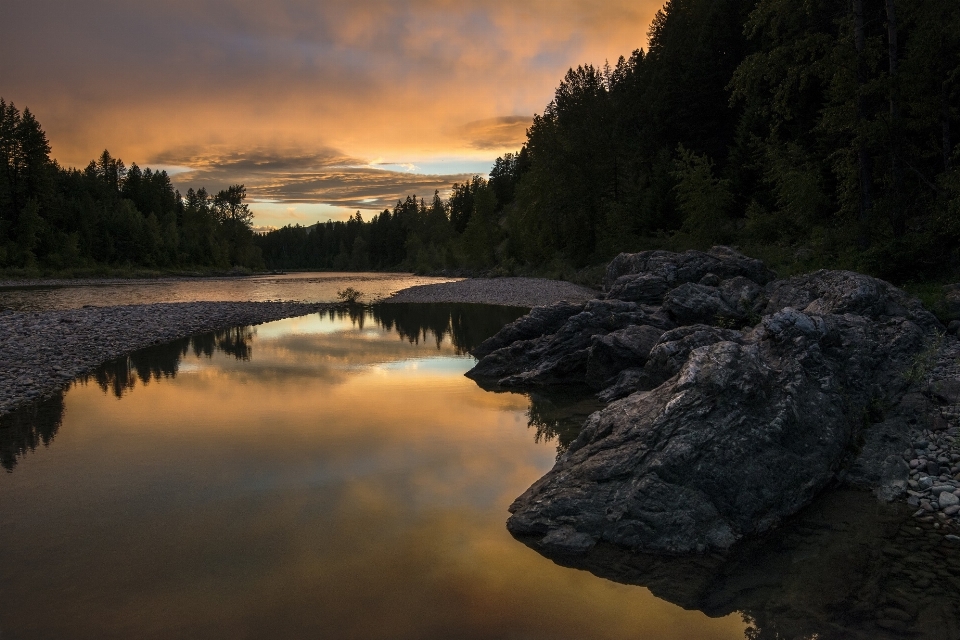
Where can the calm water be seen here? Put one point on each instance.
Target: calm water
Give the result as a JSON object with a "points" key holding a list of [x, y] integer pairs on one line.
{"points": [[330, 476], [294, 287]]}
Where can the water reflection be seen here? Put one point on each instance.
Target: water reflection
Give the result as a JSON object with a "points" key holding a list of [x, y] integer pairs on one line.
{"points": [[29, 427], [467, 325], [559, 415], [464, 326], [341, 483], [163, 361], [847, 567]]}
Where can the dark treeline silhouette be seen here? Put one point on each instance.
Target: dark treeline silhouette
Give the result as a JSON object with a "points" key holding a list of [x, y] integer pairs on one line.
{"points": [[107, 214], [810, 134], [163, 361], [467, 325], [29, 427]]}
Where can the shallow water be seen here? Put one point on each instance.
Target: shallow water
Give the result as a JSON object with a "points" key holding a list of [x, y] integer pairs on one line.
{"points": [[293, 287], [330, 476]]}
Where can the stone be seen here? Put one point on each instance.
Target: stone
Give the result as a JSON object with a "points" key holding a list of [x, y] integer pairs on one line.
{"points": [[646, 288], [810, 383], [699, 304], [619, 350], [539, 322], [561, 358], [629, 381], [689, 266], [566, 541], [948, 500]]}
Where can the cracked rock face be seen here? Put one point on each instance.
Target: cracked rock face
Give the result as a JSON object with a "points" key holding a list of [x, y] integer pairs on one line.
{"points": [[720, 432]]}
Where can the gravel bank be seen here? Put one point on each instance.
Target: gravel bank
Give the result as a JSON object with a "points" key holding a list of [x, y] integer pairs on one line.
{"points": [[40, 353], [934, 454], [517, 292]]}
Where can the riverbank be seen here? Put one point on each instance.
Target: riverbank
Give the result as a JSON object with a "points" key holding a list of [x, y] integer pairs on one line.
{"points": [[516, 292], [43, 352]]}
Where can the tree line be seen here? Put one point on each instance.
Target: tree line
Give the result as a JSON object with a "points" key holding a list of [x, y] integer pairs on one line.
{"points": [[108, 214], [811, 134]]}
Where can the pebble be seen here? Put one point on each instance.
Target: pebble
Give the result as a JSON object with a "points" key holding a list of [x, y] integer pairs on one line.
{"points": [[934, 472], [948, 500]]}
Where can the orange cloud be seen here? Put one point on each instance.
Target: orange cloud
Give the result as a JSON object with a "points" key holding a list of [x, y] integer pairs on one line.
{"points": [[414, 80]]}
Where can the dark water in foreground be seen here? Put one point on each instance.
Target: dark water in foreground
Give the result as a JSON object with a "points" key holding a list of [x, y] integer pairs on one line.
{"points": [[336, 476], [309, 478]]}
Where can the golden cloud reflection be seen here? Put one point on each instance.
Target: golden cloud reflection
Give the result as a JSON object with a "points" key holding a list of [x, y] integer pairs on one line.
{"points": [[239, 500]]}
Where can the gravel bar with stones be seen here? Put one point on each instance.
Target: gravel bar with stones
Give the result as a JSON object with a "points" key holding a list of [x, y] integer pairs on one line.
{"points": [[516, 292], [934, 454], [40, 353]]}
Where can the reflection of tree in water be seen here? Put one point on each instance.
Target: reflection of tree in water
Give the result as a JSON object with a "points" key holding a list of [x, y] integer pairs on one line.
{"points": [[28, 427], [467, 325], [560, 415], [163, 361]]}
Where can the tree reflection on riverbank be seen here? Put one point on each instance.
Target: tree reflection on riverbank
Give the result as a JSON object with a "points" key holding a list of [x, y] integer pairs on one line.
{"points": [[464, 326], [29, 427]]}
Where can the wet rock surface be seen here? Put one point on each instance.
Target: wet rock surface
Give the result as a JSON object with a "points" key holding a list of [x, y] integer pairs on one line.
{"points": [[41, 353], [735, 400]]}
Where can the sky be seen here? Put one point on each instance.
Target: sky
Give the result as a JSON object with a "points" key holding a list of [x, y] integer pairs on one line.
{"points": [[320, 107]]}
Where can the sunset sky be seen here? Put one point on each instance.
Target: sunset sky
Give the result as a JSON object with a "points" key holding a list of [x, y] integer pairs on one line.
{"points": [[321, 107]]}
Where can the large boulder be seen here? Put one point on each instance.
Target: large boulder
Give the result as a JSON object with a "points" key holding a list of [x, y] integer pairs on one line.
{"points": [[732, 404], [746, 434]]}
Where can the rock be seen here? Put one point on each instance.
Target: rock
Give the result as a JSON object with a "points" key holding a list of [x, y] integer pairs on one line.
{"points": [[948, 500], [699, 304], [629, 381], [952, 301], [539, 322], [893, 480], [670, 353], [561, 358], [689, 266], [683, 463], [646, 288], [619, 350], [566, 541], [688, 464]]}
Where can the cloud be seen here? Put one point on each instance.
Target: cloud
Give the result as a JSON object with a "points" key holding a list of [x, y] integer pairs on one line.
{"points": [[505, 132], [300, 78], [329, 177]]}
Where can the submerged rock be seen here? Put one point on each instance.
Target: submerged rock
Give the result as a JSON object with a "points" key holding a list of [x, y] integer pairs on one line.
{"points": [[716, 433]]}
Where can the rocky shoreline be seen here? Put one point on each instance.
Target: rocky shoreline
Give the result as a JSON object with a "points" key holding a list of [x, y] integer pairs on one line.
{"points": [[735, 400], [43, 352]]}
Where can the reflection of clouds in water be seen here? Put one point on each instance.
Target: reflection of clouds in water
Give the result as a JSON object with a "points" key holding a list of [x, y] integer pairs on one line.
{"points": [[327, 346], [358, 510]]}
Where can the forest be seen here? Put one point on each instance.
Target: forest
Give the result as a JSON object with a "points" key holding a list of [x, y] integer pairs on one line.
{"points": [[809, 134], [54, 219]]}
